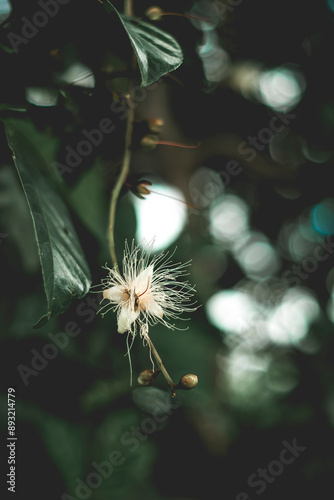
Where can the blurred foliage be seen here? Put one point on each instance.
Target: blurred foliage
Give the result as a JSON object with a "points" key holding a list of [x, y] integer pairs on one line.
{"points": [[255, 89]]}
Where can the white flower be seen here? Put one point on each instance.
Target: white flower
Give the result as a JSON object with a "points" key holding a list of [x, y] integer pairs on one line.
{"points": [[146, 292]]}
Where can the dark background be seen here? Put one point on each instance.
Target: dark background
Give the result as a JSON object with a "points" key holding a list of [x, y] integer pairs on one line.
{"points": [[257, 388]]}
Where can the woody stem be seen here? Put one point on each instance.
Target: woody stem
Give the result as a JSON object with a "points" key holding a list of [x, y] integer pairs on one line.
{"points": [[128, 8], [186, 15], [124, 171], [123, 174], [160, 364]]}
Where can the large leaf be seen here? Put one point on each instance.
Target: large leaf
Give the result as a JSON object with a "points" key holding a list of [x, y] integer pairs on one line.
{"points": [[65, 271], [157, 52]]}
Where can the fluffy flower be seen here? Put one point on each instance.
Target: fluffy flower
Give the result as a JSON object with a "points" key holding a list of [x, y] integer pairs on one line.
{"points": [[147, 291]]}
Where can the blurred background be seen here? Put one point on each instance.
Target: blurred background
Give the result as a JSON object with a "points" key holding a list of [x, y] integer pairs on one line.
{"points": [[251, 205]]}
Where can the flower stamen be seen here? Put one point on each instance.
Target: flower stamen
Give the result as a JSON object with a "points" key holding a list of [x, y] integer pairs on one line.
{"points": [[148, 284]]}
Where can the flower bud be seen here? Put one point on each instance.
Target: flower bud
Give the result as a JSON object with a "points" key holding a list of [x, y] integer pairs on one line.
{"points": [[142, 189], [188, 382], [147, 377], [149, 141], [155, 125], [139, 188], [154, 13]]}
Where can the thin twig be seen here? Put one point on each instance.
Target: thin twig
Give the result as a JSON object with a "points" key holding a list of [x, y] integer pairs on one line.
{"points": [[123, 174], [178, 145], [160, 364], [187, 16], [115, 194], [118, 185], [188, 205], [128, 9]]}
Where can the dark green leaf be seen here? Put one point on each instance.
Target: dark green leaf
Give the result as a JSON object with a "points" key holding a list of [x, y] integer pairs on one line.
{"points": [[65, 271], [157, 52]]}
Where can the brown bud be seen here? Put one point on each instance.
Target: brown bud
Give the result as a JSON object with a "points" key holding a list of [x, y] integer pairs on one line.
{"points": [[149, 141], [154, 13], [188, 382], [147, 377], [155, 125], [142, 189], [139, 188]]}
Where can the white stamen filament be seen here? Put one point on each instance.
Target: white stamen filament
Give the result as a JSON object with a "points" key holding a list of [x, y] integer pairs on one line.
{"points": [[149, 291]]}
